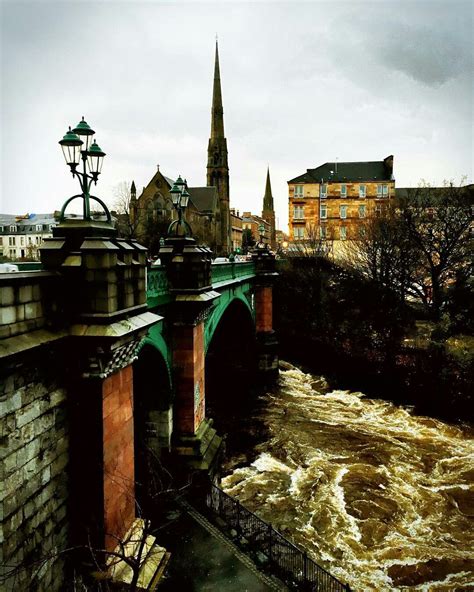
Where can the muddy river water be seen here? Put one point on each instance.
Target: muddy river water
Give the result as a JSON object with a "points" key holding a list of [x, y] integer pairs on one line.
{"points": [[384, 499]]}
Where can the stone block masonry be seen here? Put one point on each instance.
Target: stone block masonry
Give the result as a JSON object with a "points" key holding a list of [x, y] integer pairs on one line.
{"points": [[34, 448]]}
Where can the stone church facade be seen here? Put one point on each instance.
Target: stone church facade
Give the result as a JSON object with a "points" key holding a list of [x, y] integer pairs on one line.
{"points": [[208, 210]]}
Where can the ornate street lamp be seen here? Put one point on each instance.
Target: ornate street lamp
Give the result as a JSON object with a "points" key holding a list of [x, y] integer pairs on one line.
{"points": [[77, 145], [261, 242], [180, 198]]}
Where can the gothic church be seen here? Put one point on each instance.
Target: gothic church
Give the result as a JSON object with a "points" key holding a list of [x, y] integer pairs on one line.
{"points": [[208, 210]]}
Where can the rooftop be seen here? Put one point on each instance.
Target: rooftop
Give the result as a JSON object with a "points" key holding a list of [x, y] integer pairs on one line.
{"points": [[340, 172]]}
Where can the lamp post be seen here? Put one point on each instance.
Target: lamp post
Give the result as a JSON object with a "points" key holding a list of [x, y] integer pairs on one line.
{"points": [[180, 198], [261, 231], [77, 145]]}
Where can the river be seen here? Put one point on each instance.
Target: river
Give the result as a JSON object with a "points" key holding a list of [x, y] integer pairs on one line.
{"points": [[382, 498]]}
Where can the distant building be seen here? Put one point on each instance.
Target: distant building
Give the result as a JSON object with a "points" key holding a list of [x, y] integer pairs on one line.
{"points": [[281, 238], [333, 200], [152, 212], [268, 212], [21, 236], [252, 222], [236, 229]]}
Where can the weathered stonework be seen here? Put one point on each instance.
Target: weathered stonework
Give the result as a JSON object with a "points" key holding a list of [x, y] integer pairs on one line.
{"points": [[34, 469]]}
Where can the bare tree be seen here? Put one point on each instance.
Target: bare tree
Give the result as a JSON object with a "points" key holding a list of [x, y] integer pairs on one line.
{"points": [[418, 247], [312, 245], [128, 217], [438, 222], [383, 254]]}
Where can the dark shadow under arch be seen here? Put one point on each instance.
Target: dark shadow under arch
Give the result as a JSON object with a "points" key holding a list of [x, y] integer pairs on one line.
{"points": [[153, 421], [231, 365]]}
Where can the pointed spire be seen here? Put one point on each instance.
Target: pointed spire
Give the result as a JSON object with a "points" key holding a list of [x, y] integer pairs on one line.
{"points": [[217, 117], [133, 190], [268, 197]]}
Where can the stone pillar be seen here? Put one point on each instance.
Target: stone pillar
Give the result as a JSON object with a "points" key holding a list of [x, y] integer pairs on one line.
{"points": [[195, 444], [267, 342], [188, 366], [102, 301]]}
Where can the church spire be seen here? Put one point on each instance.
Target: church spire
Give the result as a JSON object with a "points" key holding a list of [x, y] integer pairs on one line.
{"points": [[217, 164], [268, 197], [217, 116], [268, 213]]}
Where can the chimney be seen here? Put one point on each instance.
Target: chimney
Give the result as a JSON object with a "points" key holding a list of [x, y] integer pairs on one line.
{"points": [[157, 167]]}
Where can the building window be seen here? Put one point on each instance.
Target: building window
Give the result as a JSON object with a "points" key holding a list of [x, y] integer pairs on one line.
{"points": [[22, 240], [11, 241], [378, 211], [323, 191], [323, 232], [362, 211], [12, 253], [29, 240], [298, 212], [343, 190], [12, 228], [342, 232], [362, 190], [343, 212], [298, 232], [323, 211], [382, 190], [298, 190], [37, 240], [39, 227], [362, 231]]}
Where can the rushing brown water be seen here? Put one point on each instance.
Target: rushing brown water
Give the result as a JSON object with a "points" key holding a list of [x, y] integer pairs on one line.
{"points": [[382, 498]]}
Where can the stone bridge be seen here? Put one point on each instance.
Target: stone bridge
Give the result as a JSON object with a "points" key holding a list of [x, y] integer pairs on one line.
{"points": [[104, 371]]}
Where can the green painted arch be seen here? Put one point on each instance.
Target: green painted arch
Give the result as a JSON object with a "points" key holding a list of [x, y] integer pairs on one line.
{"points": [[243, 293], [156, 340]]}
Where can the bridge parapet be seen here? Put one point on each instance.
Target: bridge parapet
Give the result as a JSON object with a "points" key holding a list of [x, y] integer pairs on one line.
{"points": [[158, 288], [223, 272]]}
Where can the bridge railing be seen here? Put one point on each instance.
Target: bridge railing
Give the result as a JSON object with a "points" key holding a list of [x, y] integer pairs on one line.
{"points": [[222, 272], [157, 288], [284, 558]]}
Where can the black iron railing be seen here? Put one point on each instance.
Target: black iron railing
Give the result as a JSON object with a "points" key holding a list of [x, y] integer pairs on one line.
{"points": [[285, 559]]}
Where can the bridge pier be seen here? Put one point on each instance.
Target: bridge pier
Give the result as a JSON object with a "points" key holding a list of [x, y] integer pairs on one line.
{"points": [[267, 342], [102, 302], [196, 446]]}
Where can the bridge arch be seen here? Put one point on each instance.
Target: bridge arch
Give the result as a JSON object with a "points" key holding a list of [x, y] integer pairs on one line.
{"points": [[228, 298], [153, 418], [231, 361]]}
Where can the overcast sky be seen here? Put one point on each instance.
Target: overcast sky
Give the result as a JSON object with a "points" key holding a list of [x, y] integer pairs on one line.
{"points": [[303, 83]]}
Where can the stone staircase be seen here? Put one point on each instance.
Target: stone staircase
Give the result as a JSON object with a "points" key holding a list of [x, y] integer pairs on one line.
{"points": [[152, 565]]}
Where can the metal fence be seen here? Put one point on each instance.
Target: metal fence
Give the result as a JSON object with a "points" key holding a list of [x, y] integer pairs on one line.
{"points": [[285, 559]]}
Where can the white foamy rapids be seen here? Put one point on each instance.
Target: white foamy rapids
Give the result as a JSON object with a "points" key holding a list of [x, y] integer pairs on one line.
{"points": [[384, 499]]}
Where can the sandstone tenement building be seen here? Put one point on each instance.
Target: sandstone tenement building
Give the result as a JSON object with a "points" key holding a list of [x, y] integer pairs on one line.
{"points": [[332, 201]]}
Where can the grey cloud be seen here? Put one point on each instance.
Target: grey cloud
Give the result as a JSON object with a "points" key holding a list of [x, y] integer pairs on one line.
{"points": [[428, 56]]}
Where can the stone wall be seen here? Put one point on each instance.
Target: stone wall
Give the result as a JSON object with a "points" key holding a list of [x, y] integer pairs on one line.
{"points": [[34, 450], [21, 308]]}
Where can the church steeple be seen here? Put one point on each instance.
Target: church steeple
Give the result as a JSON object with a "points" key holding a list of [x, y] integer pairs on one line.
{"points": [[268, 212], [268, 197], [217, 116], [217, 165]]}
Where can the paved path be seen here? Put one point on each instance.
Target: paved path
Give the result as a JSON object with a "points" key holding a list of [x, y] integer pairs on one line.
{"points": [[204, 560]]}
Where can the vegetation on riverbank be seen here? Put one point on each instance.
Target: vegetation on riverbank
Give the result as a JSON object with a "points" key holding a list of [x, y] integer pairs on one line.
{"points": [[362, 336]]}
